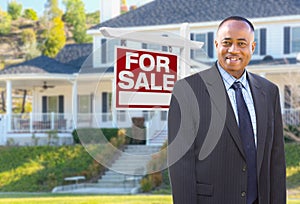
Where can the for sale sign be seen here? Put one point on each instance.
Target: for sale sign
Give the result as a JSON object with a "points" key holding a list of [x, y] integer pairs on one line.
{"points": [[144, 79]]}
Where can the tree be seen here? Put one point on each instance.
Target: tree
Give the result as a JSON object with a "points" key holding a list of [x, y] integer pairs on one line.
{"points": [[5, 22], [14, 9], [29, 44], [93, 18], [76, 18], [52, 10], [54, 33], [55, 38], [30, 14]]}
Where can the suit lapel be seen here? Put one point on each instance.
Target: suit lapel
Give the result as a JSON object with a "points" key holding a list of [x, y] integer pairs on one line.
{"points": [[260, 105], [214, 83]]}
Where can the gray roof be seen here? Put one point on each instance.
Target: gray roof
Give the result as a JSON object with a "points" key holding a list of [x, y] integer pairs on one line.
{"points": [[40, 64], [75, 54], [161, 12], [68, 61]]}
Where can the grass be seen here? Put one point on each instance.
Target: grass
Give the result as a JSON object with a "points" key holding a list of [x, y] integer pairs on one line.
{"points": [[292, 152], [89, 199], [75, 199]]}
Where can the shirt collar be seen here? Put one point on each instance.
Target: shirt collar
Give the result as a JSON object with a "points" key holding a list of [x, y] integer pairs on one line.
{"points": [[229, 79]]}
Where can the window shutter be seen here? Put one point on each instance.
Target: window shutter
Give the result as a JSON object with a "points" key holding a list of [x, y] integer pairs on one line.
{"points": [[104, 102], [263, 41], [44, 107], [210, 44], [103, 51], [44, 104], [286, 40], [91, 105], [61, 104]]}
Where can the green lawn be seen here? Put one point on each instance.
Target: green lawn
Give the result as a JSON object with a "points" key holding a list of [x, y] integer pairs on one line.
{"points": [[89, 199]]}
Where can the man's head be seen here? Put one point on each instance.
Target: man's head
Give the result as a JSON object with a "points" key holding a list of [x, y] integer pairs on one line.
{"points": [[235, 44]]}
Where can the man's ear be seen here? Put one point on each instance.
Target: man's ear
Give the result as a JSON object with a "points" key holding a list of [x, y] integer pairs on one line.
{"points": [[216, 44], [253, 46]]}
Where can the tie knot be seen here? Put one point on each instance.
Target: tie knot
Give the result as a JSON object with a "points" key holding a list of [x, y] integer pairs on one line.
{"points": [[237, 85]]}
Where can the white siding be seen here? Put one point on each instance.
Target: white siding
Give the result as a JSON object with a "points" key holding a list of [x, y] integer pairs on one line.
{"points": [[97, 51]]}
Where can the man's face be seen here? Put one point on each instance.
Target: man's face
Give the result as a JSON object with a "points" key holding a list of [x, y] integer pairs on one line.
{"points": [[235, 45]]}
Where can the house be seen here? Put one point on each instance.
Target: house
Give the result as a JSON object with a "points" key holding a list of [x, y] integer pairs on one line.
{"points": [[76, 88], [277, 25]]}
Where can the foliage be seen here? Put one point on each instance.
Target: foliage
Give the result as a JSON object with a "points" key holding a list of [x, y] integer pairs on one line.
{"points": [[90, 135], [52, 10], [55, 38], [156, 165], [75, 17], [292, 152], [93, 18], [292, 133], [5, 22], [30, 14], [29, 47], [146, 184], [14, 9], [28, 36]]}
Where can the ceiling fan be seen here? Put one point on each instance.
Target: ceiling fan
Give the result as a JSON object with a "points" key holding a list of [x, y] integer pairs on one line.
{"points": [[45, 86]]}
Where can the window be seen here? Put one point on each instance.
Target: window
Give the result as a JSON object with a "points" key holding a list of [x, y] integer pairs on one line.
{"points": [[208, 47], [84, 104], [260, 39], [152, 46], [295, 39], [52, 104], [291, 40], [108, 50], [163, 115], [106, 106]]}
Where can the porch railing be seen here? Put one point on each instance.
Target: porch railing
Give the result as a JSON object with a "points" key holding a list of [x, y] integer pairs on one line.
{"points": [[291, 116], [40, 122], [64, 122]]}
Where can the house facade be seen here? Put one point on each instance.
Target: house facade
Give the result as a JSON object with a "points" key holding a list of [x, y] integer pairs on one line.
{"points": [[76, 88], [277, 31]]}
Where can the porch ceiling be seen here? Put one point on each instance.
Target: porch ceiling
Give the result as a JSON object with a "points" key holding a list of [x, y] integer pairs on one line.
{"points": [[31, 82]]}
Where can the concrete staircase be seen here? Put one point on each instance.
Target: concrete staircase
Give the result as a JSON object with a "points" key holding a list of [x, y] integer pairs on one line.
{"points": [[160, 136], [126, 172]]}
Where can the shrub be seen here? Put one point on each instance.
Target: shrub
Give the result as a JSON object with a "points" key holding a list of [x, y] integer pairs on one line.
{"points": [[146, 184], [5, 22], [30, 14], [14, 9], [93, 135]]}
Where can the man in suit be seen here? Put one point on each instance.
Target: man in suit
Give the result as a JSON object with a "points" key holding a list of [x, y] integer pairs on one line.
{"points": [[225, 135]]}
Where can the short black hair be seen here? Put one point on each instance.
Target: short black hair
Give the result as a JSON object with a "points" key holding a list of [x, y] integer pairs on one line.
{"points": [[237, 18]]}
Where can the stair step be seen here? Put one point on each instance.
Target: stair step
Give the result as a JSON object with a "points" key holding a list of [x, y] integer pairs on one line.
{"points": [[133, 160]]}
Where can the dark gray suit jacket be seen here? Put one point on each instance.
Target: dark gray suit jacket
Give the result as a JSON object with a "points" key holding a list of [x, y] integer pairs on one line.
{"points": [[206, 159]]}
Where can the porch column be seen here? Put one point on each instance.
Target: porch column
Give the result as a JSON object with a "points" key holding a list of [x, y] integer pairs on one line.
{"points": [[8, 104], [74, 103], [113, 103]]}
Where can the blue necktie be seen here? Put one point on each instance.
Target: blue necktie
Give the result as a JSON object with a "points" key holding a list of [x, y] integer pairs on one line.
{"points": [[247, 137]]}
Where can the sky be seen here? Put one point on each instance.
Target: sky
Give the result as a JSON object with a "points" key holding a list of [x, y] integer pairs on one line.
{"points": [[90, 5]]}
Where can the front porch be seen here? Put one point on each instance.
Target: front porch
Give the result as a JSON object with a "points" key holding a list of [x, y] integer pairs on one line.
{"points": [[28, 126]]}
